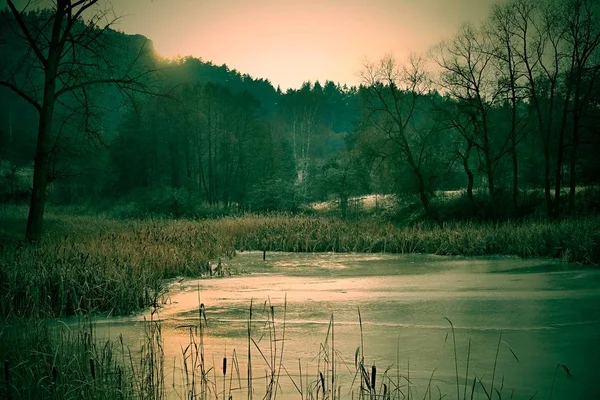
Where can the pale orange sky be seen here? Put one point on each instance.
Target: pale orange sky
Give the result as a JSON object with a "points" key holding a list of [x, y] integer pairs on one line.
{"points": [[292, 41]]}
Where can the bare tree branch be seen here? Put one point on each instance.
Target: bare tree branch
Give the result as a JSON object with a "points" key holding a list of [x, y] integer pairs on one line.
{"points": [[23, 95], [32, 43]]}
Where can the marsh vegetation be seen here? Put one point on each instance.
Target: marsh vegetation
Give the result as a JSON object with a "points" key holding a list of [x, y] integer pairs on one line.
{"points": [[106, 266], [124, 173]]}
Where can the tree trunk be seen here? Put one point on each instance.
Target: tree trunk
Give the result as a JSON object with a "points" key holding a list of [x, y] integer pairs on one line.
{"points": [[175, 179], [515, 165], [545, 133], [40, 183], [470, 177], [560, 154], [572, 177], [513, 126], [211, 183], [558, 172], [489, 167], [573, 160], [42, 156], [422, 193], [490, 172], [188, 164], [344, 204], [547, 190], [513, 149]]}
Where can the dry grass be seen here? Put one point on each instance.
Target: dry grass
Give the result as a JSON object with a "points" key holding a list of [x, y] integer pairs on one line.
{"points": [[99, 264], [574, 240], [43, 362], [92, 264]]}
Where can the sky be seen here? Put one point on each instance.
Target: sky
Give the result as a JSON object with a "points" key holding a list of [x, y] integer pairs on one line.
{"points": [[293, 41]]}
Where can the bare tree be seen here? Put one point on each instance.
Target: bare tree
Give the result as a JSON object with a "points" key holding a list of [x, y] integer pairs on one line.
{"points": [[64, 58], [558, 46], [467, 76], [538, 47], [394, 94], [582, 26], [509, 68], [458, 116]]}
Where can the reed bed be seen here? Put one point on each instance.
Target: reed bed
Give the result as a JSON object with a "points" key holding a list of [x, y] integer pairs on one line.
{"points": [[100, 264], [572, 240], [48, 359], [329, 376], [45, 363], [74, 364], [87, 264], [43, 360]]}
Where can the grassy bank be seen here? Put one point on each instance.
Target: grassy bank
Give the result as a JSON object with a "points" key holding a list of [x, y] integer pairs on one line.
{"points": [[100, 264]]}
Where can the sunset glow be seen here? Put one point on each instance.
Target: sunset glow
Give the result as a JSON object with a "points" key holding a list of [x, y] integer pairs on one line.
{"points": [[289, 42]]}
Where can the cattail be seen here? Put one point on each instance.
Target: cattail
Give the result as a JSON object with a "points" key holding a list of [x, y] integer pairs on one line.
{"points": [[6, 372], [373, 375], [224, 366], [7, 377], [322, 383], [54, 374], [92, 369]]}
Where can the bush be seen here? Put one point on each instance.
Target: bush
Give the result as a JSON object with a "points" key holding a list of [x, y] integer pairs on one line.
{"points": [[176, 203], [274, 195], [14, 186]]}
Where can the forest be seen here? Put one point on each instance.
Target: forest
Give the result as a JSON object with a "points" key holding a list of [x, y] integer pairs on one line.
{"points": [[506, 113]]}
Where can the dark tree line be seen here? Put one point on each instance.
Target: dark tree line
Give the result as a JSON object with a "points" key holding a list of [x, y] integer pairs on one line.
{"points": [[514, 102], [513, 105], [220, 143]]}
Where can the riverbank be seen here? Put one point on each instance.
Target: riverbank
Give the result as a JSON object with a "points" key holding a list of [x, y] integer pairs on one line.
{"points": [[101, 264]]}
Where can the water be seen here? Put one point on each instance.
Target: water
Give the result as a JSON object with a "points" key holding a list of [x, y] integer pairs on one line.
{"points": [[546, 313]]}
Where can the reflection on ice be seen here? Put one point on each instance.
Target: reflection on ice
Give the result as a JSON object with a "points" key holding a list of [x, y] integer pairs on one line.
{"points": [[548, 314]]}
